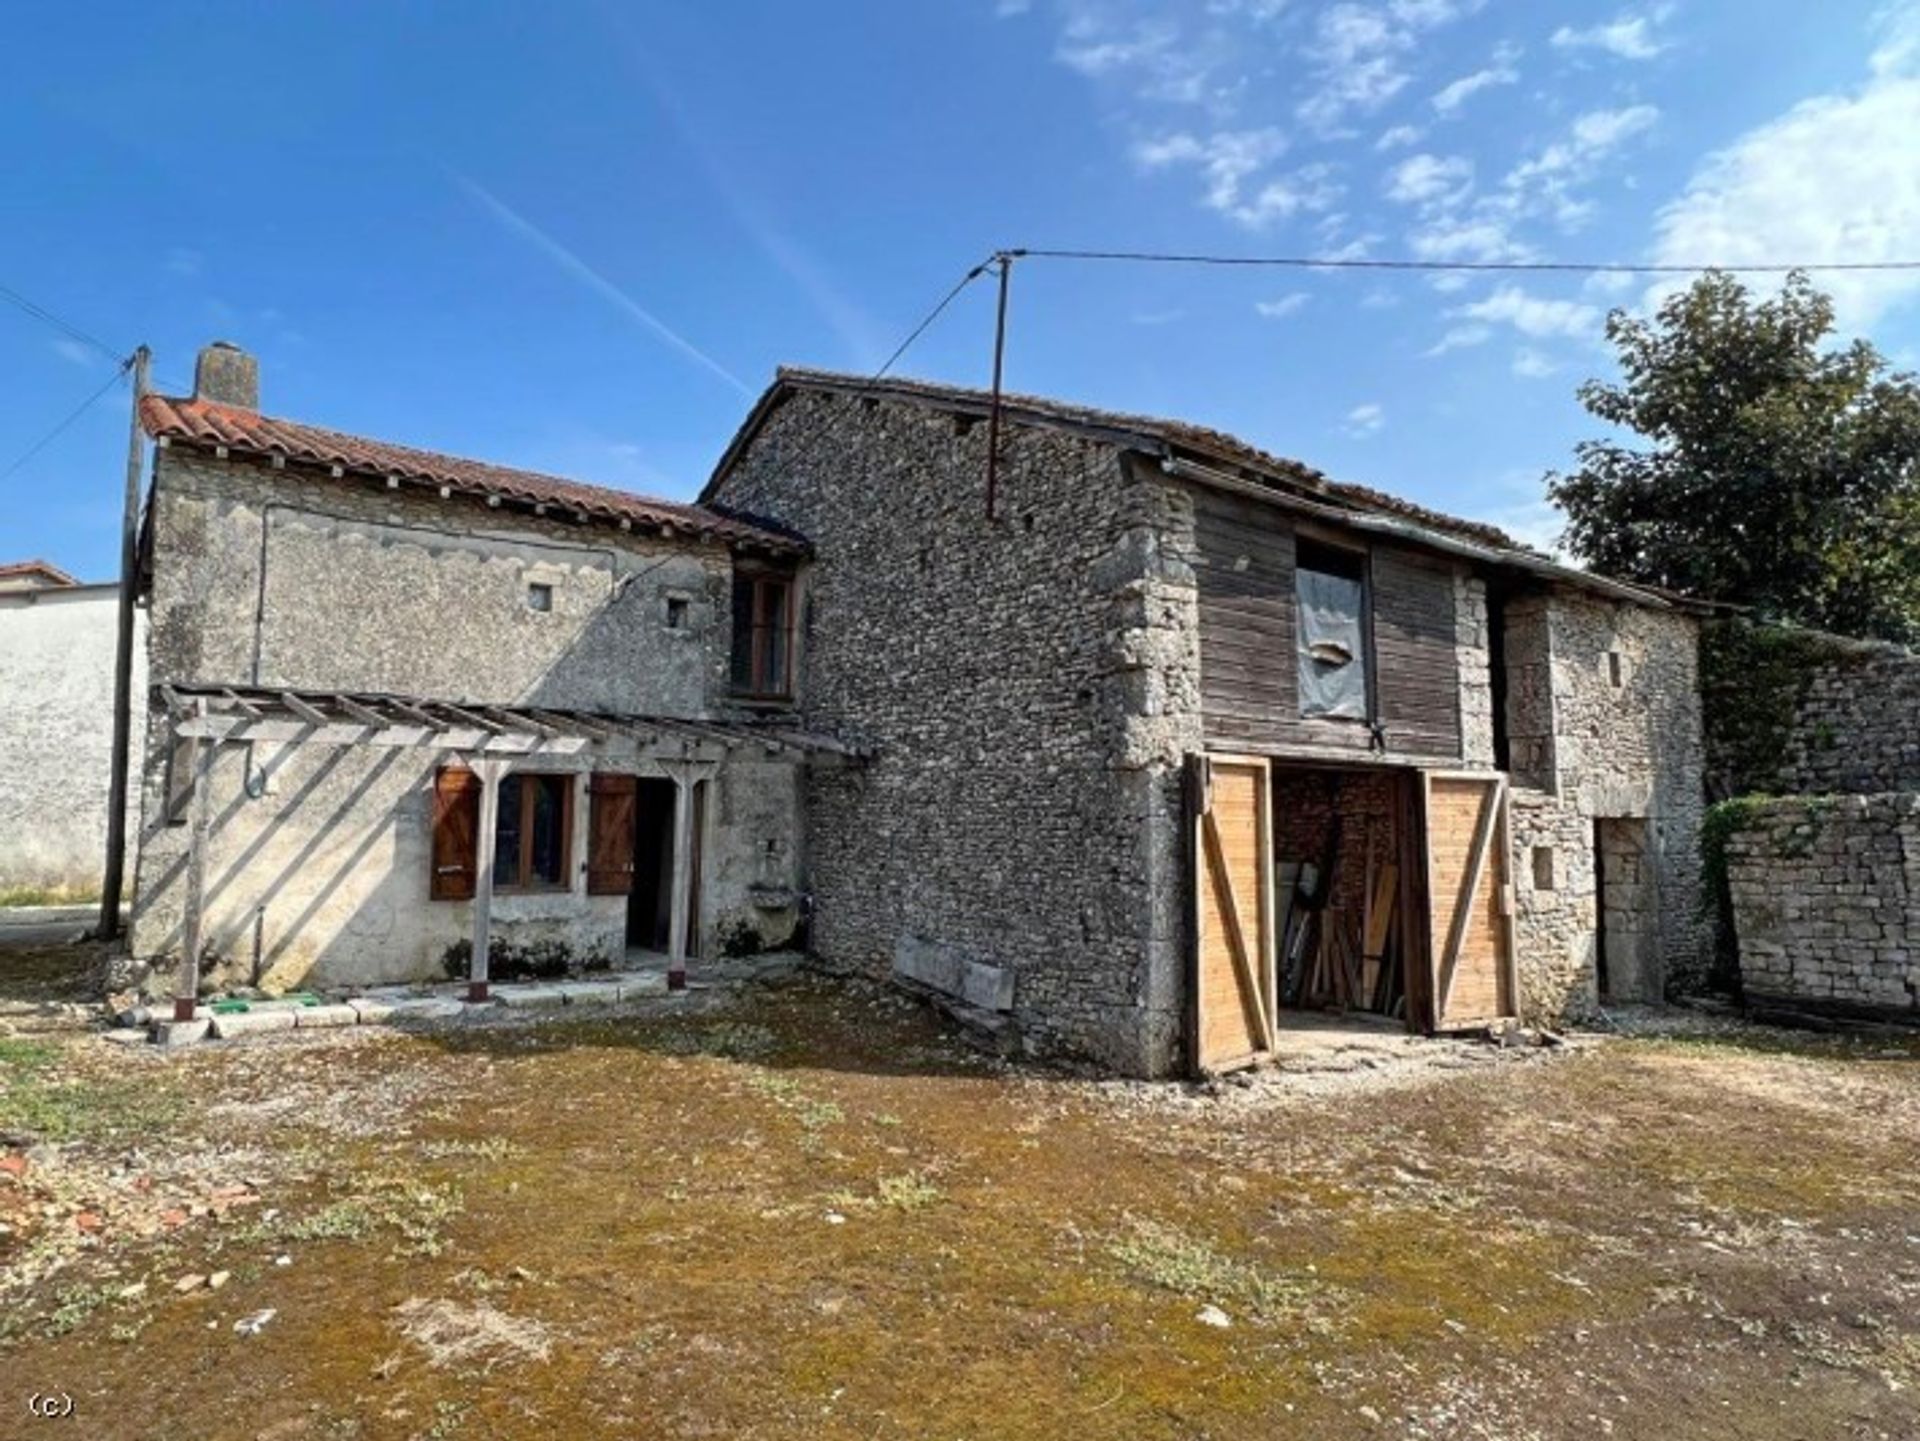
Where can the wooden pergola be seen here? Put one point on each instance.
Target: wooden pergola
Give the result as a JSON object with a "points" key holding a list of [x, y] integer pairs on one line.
{"points": [[491, 740]]}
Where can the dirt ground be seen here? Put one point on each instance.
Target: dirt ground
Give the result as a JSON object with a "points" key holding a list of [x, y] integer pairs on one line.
{"points": [[804, 1210]]}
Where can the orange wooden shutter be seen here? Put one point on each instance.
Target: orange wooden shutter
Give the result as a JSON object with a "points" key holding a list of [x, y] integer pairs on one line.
{"points": [[610, 834], [1233, 895], [1469, 930], [456, 825]]}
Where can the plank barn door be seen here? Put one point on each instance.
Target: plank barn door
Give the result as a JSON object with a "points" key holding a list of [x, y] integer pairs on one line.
{"points": [[1233, 920], [1470, 929]]}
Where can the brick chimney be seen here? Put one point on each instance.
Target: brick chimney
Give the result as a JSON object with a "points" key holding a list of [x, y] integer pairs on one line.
{"points": [[226, 375]]}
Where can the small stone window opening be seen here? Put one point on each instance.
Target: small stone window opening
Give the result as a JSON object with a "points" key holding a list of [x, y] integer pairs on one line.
{"points": [[676, 612], [1545, 864], [539, 596], [1616, 670]]}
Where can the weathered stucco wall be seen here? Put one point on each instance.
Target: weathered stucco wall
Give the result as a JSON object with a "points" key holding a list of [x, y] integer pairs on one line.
{"points": [[1604, 722], [1826, 899], [1031, 684], [273, 578], [56, 733]]}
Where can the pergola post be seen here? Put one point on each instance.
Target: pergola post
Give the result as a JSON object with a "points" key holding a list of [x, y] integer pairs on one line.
{"points": [[686, 775], [489, 773], [186, 987]]}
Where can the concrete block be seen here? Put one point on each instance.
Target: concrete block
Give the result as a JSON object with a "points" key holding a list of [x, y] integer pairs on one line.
{"points": [[181, 1033], [305, 1017], [589, 993], [426, 1008], [252, 1023], [944, 968], [370, 1011], [528, 997], [640, 984]]}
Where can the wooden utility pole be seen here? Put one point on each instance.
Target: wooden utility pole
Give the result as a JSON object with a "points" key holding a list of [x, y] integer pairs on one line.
{"points": [[993, 410], [111, 882]]}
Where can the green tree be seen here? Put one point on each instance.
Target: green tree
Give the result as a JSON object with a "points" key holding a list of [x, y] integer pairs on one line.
{"points": [[1783, 471]]}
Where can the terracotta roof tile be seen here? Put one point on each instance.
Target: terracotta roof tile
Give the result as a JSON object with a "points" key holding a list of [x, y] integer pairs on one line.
{"points": [[203, 424], [50, 572]]}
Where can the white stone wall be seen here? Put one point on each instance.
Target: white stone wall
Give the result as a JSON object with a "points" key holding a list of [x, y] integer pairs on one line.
{"points": [[56, 733], [1475, 668]]}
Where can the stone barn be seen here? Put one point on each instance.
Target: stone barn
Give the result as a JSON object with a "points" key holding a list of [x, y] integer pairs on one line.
{"points": [[1120, 737], [1176, 739]]}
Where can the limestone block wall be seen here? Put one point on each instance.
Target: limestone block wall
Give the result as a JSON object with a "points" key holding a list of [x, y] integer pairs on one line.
{"points": [[56, 733], [320, 868], [1856, 726], [1475, 669], [1604, 721], [1826, 899], [1031, 686]]}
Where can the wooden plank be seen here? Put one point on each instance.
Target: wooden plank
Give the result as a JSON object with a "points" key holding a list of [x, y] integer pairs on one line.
{"points": [[1237, 932], [310, 714]]}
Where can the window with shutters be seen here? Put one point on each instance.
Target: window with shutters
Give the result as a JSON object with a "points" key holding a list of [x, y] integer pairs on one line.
{"points": [[762, 636], [534, 833]]}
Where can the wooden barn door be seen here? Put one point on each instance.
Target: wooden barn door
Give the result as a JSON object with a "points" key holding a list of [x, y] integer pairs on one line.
{"points": [[1233, 920], [1470, 930]]}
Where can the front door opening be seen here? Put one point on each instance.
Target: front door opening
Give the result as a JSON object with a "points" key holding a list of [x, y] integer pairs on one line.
{"points": [[650, 903], [1625, 968]]}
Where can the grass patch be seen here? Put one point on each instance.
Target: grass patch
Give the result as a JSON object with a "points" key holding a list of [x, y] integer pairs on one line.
{"points": [[811, 1112], [35, 1103], [493, 1148], [47, 896], [909, 1191], [416, 1211], [1168, 1258]]}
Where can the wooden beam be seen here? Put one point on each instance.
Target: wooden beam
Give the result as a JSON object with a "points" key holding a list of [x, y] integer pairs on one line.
{"points": [[307, 713], [241, 703], [186, 989], [361, 712], [515, 720], [470, 717]]}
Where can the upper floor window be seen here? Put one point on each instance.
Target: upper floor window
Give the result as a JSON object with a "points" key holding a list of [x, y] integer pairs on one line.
{"points": [[762, 636], [1330, 590]]}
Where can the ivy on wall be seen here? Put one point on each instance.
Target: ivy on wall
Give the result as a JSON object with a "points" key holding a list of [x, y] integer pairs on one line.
{"points": [[1752, 679]]}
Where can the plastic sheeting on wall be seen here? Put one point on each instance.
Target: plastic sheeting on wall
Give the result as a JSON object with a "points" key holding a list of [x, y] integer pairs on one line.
{"points": [[1333, 671]]}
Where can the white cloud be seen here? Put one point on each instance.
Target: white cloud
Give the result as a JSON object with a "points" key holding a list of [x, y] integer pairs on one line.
{"points": [[1429, 180], [1359, 51], [1158, 317], [1450, 98], [75, 352], [1476, 238], [1531, 364], [1399, 135], [1837, 177], [1006, 9], [1532, 314], [1630, 37], [1229, 162], [1283, 307], [1592, 137], [1365, 420], [1460, 337]]}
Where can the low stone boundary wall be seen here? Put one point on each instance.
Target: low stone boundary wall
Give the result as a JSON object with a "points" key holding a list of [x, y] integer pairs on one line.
{"points": [[1826, 901]]}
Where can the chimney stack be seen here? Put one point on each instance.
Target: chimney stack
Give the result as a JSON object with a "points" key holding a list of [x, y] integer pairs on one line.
{"points": [[227, 375]]}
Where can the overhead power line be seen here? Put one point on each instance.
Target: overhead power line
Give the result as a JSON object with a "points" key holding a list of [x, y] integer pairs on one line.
{"points": [[54, 434], [1578, 267], [65, 327]]}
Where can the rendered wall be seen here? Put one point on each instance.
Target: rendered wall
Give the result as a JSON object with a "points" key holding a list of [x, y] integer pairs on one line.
{"points": [[56, 733], [269, 578]]}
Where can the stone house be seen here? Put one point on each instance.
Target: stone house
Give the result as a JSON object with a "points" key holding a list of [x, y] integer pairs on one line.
{"points": [[1132, 744], [1174, 736], [360, 652]]}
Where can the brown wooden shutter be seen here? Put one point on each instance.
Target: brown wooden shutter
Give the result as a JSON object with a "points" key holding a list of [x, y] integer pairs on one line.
{"points": [[1233, 897], [610, 834], [456, 825], [1470, 929]]}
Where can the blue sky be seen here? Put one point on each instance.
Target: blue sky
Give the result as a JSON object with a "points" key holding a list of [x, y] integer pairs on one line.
{"points": [[580, 237]]}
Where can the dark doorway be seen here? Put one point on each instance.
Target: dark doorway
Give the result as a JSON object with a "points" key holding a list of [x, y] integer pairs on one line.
{"points": [[650, 902]]}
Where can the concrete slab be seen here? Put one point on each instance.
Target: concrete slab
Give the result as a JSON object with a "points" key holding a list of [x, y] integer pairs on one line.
{"points": [[518, 997], [252, 1023], [642, 983], [127, 1036], [589, 993], [371, 1012], [319, 1016], [427, 1008]]}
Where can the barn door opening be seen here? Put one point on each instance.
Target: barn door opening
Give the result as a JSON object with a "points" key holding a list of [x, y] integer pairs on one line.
{"points": [[1470, 930], [1233, 988]]}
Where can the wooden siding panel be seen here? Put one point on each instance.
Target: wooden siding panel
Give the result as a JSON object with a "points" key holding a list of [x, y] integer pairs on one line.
{"points": [[1230, 1030], [1249, 686]]}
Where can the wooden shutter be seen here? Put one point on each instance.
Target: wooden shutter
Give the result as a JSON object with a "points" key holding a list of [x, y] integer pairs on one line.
{"points": [[1233, 892], [456, 826], [610, 834], [1470, 933]]}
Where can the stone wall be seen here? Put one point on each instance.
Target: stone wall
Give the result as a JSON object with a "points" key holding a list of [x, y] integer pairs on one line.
{"points": [[319, 866], [1826, 898], [1476, 670], [1603, 716], [56, 733], [1031, 684], [1856, 726]]}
